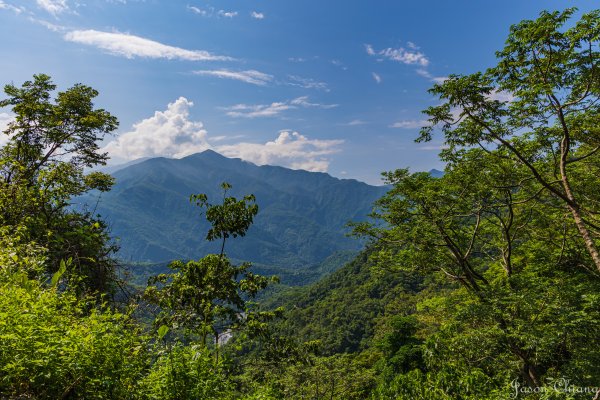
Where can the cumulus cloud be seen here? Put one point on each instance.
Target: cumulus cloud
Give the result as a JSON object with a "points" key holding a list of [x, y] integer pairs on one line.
{"points": [[53, 7], [377, 77], [130, 46], [273, 109], [168, 133], [409, 56], [251, 76], [257, 15], [171, 133], [289, 149]]}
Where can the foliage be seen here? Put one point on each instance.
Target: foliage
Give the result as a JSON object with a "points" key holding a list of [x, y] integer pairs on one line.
{"points": [[52, 346], [509, 223], [187, 372], [50, 142], [537, 109], [209, 297]]}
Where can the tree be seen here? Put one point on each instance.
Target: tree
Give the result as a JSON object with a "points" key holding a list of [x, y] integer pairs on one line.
{"points": [[210, 296], [539, 108], [50, 142], [512, 223]]}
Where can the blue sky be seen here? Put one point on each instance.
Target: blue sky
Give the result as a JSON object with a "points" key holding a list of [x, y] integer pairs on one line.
{"points": [[332, 86]]}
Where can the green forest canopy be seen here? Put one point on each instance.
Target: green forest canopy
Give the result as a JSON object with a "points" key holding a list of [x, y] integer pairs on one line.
{"points": [[485, 281]]}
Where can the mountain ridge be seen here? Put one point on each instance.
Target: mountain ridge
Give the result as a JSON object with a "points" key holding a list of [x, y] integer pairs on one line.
{"points": [[301, 220]]}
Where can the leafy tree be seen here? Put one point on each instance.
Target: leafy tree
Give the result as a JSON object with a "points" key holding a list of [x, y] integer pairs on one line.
{"points": [[511, 224], [208, 297], [538, 108], [50, 142]]}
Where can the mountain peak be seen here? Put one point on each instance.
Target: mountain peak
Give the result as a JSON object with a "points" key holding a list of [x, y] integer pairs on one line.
{"points": [[206, 154]]}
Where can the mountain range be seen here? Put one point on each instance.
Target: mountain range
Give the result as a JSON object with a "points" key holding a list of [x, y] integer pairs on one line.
{"points": [[301, 220]]}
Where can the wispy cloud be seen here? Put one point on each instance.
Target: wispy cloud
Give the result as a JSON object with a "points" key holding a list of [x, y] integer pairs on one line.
{"points": [[209, 11], [53, 7], [227, 14], [168, 133], [297, 59], [307, 83], [426, 74], [200, 11], [289, 149], [130, 46], [257, 15], [10, 7], [47, 25], [273, 109], [250, 76], [303, 102], [432, 147], [410, 56], [257, 110], [409, 124], [339, 64], [377, 77], [355, 122]]}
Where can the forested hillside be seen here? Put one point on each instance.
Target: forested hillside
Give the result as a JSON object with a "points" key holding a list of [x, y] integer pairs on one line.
{"points": [[302, 219], [481, 282]]}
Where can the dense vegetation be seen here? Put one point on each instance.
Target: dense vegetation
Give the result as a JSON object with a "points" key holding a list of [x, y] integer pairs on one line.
{"points": [[482, 283]]}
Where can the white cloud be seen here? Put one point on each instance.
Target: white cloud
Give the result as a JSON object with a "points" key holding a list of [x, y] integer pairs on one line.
{"points": [[307, 83], [10, 7], [290, 149], [355, 122], [257, 111], [257, 15], [130, 46], [200, 11], [53, 7], [426, 74], [303, 102], [171, 133], [410, 57], [273, 109], [297, 59], [227, 14], [250, 76], [502, 96], [168, 133], [409, 124], [5, 119], [377, 77], [432, 147]]}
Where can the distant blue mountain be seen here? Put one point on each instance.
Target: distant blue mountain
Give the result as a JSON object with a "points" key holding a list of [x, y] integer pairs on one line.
{"points": [[301, 220], [436, 173]]}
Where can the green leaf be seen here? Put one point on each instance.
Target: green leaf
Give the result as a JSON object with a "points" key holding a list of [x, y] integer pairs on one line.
{"points": [[162, 331]]}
